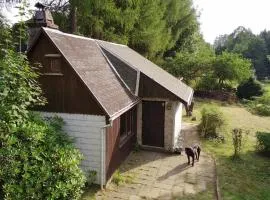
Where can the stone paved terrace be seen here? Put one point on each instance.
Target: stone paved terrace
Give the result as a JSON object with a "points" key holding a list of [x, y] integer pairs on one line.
{"points": [[161, 176]]}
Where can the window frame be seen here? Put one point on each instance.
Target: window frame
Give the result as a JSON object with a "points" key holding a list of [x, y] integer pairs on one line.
{"points": [[128, 122], [52, 60]]}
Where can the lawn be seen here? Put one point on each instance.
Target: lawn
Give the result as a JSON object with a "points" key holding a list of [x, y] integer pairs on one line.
{"points": [[248, 178]]}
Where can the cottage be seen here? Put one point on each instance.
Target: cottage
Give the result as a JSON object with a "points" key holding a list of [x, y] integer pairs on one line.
{"points": [[109, 96]]}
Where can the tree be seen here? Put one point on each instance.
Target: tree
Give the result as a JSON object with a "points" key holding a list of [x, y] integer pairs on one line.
{"points": [[5, 36], [192, 65], [249, 88], [152, 27], [231, 68], [149, 36], [250, 46]]}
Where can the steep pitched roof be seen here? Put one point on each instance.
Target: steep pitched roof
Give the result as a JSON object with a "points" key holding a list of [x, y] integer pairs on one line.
{"points": [[87, 59], [150, 69]]}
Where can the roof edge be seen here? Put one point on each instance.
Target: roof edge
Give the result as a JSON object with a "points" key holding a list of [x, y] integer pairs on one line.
{"points": [[120, 112]]}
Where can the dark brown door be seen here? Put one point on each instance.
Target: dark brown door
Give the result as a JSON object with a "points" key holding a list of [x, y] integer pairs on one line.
{"points": [[153, 123]]}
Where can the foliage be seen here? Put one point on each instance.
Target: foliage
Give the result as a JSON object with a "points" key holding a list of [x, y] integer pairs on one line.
{"points": [[262, 109], [250, 46], [249, 88], [5, 36], [92, 176], [90, 192], [191, 65], [208, 82], [263, 141], [19, 30], [118, 178], [152, 27], [230, 67], [19, 89], [261, 105], [40, 162], [212, 119], [238, 141]]}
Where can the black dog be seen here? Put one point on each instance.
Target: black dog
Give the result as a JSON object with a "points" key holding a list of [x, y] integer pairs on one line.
{"points": [[193, 152]]}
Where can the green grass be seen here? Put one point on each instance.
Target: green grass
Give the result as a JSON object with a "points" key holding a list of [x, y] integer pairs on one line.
{"points": [[90, 192], [249, 177]]}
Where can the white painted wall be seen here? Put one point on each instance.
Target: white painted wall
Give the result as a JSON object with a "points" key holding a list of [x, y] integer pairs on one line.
{"points": [[86, 130], [177, 122]]}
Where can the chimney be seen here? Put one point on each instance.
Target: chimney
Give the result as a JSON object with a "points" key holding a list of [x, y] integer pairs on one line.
{"points": [[41, 18]]}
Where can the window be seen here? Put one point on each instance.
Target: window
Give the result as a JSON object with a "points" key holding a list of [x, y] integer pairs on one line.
{"points": [[53, 64], [128, 124]]}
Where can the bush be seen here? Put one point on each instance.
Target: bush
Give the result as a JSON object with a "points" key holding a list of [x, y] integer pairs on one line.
{"points": [[260, 105], [262, 109], [237, 136], [40, 162], [249, 88], [92, 176], [263, 142], [212, 120], [19, 89], [207, 83]]}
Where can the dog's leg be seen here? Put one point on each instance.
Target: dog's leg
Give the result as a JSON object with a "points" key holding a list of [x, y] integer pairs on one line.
{"points": [[188, 159], [199, 152], [193, 160], [196, 154]]}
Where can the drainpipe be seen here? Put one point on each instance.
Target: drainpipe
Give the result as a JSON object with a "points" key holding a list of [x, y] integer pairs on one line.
{"points": [[102, 152]]}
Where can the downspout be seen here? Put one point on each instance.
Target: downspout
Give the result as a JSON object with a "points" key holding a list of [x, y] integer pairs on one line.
{"points": [[102, 152]]}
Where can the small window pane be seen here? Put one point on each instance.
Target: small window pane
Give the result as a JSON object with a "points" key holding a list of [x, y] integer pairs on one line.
{"points": [[55, 65], [123, 124]]}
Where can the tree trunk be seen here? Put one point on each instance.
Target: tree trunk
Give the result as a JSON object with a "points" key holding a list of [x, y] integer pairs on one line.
{"points": [[73, 21]]}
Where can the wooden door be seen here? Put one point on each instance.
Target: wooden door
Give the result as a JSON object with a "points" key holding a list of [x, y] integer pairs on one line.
{"points": [[153, 123]]}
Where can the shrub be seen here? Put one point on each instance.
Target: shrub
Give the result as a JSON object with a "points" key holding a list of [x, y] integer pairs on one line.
{"points": [[261, 105], [262, 109], [212, 120], [207, 83], [263, 142], [92, 176], [237, 137], [40, 162], [249, 88], [19, 89]]}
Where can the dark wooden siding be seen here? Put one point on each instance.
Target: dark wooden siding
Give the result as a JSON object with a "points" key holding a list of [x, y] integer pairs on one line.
{"points": [[65, 92], [151, 89], [116, 151], [128, 74]]}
